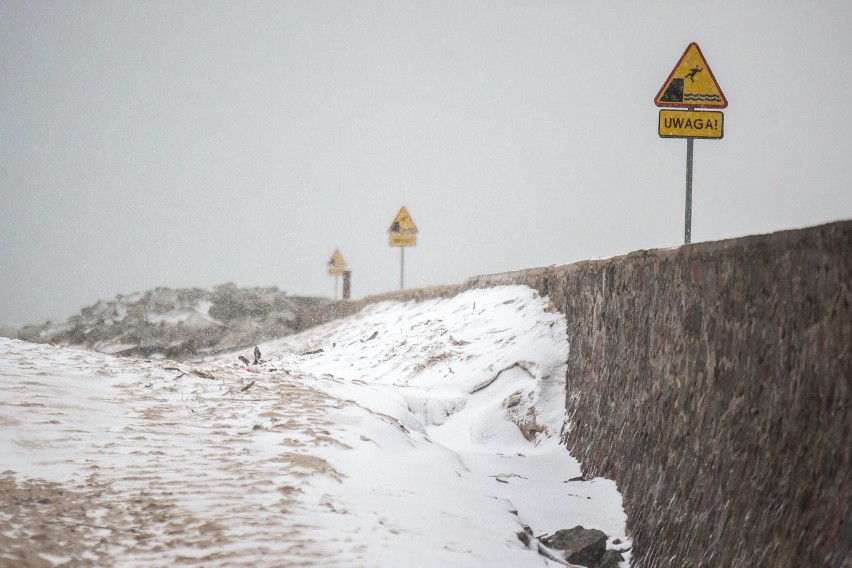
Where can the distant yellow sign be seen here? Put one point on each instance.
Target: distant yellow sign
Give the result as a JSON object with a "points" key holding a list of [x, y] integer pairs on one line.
{"points": [[691, 124], [402, 240], [402, 232], [336, 264], [691, 83]]}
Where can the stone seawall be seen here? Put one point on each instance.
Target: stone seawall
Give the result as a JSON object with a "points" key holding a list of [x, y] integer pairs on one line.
{"points": [[713, 383]]}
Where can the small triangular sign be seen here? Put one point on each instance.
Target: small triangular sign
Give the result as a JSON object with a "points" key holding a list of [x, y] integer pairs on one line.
{"points": [[336, 264], [403, 224], [691, 83]]}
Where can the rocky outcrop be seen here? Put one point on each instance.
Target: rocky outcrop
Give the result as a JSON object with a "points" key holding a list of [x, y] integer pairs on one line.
{"points": [[179, 324]]}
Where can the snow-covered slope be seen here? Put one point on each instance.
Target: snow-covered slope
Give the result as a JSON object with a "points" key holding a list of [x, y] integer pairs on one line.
{"points": [[419, 434], [167, 323]]}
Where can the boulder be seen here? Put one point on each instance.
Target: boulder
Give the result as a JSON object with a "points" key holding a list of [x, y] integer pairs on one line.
{"points": [[611, 559], [580, 545]]}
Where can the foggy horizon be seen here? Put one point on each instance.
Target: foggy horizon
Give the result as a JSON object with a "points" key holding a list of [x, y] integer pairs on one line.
{"points": [[187, 144]]}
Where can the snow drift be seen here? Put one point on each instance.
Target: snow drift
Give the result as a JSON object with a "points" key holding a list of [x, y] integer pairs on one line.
{"points": [[423, 434]]}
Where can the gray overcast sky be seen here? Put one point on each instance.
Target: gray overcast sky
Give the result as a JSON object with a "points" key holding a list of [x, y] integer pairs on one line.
{"points": [[157, 143]]}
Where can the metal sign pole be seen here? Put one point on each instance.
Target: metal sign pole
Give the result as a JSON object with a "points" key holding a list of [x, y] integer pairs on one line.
{"points": [[401, 268], [687, 232], [335, 286]]}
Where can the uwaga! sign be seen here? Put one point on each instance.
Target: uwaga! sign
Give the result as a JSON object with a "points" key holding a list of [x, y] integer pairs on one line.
{"points": [[691, 84], [403, 231], [691, 124], [336, 264]]}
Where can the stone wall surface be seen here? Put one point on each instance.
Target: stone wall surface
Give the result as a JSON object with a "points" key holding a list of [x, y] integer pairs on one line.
{"points": [[713, 383]]}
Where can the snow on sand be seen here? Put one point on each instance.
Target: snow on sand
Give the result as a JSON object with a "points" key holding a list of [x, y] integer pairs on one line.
{"points": [[423, 434]]}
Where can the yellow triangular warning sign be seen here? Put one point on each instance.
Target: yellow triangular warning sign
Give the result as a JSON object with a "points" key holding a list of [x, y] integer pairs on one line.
{"points": [[336, 264], [691, 83], [403, 224]]}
